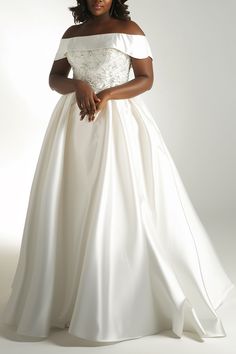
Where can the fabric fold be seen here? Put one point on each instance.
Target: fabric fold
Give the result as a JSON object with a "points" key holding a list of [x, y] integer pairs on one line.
{"points": [[101, 250]]}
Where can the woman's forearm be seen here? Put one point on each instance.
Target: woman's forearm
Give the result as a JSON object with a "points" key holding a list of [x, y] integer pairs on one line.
{"points": [[131, 88], [138, 85], [62, 84]]}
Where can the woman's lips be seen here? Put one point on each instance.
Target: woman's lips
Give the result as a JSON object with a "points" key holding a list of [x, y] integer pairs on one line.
{"points": [[97, 7]]}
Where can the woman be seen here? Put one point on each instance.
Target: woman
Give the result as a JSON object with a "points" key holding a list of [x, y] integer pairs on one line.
{"points": [[112, 246]]}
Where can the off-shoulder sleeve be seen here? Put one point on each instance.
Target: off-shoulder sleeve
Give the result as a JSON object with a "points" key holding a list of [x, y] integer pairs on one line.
{"points": [[136, 46], [62, 49]]}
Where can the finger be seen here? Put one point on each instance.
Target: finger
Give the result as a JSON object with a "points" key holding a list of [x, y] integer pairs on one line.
{"points": [[91, 117], [87, 105], [83, 111], [82, 115], [95, 115], [93, 106], [96, 98], [81, 105]]}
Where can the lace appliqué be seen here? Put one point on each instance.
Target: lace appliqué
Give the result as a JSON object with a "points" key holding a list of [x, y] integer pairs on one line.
{"points": [[101, 68]]}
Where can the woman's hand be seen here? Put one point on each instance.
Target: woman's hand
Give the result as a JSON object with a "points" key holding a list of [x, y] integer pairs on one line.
{"points": [[86, 98], [103, 97]]}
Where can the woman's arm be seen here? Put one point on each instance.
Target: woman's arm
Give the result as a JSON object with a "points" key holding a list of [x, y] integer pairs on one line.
{"points": [[143, 81], [58, 76], [58, 79], [143, 71]]}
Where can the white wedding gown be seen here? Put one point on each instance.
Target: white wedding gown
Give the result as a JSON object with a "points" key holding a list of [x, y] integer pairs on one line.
{"points": [[112, 247]]}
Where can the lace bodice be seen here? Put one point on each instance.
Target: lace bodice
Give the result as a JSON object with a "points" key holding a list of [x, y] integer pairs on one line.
{"points": [[101, 68], [103, 60]]}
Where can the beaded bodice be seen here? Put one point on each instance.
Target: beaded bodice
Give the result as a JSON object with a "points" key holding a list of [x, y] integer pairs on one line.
{"points": [[101, 67], [103, 60]]}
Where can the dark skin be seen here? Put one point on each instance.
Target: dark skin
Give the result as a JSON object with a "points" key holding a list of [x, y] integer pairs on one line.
{"points": [[88, 101]]}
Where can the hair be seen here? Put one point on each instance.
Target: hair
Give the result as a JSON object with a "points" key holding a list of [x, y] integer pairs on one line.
{"points": [[118, 10]]}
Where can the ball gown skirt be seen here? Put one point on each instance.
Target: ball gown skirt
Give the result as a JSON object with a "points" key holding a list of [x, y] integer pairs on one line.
{"points": [[112, 247]]}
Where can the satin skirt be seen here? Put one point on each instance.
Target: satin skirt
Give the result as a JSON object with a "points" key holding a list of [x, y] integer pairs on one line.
{"points": [[112, 246]]}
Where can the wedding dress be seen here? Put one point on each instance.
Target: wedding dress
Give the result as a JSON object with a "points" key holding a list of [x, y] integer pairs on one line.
{"points": [[112, 247]]}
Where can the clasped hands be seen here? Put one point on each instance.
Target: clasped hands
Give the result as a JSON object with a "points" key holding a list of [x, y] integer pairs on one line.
{"points": [[88, 101]]}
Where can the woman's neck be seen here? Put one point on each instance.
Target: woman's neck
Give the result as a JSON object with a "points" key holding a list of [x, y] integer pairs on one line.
{"points": [[100, 20]]}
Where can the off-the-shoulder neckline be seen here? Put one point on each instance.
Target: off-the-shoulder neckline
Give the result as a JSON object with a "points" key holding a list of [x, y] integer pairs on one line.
{"points": [[102, 34]]}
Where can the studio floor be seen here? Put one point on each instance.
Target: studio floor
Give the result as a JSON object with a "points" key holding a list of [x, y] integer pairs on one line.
{"points": [[222, 234]]}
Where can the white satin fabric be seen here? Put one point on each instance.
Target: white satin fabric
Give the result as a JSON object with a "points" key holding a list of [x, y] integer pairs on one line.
{"points": [[112, 247], [136, 46]]}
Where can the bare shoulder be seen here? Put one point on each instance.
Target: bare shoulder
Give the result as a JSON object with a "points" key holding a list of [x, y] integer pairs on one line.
{"points": [[72, 31], [131, 27]]}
